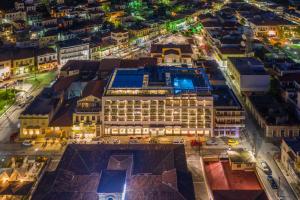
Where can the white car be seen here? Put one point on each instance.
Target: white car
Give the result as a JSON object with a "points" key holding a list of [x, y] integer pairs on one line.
{"points": [[133, 141], [266, 168], [211, 142], [178, 141], [27, 143]]}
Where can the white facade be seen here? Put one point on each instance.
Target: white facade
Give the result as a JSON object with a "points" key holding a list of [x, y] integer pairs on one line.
{"points": [[77, 52], [158, 116], [17, 15]]}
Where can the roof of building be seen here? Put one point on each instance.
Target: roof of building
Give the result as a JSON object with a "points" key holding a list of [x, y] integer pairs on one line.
{"points": [[293, 143], [64, 116], [43, 51], [238, 156], [95, 88], [72, 65], [227, 184], [5, 55], [109, 64], [16, 188], [71, 43], [224, 97], [232, 50], [43, 104], [112, 181], [63, 83], [157, 172], [272, 111], [23, 53], [179, 79], [184, 48], [248, 65]]}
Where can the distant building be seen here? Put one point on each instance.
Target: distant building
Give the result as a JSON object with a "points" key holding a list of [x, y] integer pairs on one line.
{"points": [[116, 172], [87, 117], [273, 117], [5, 64], [35, 119], [120, 37], [241, 160], [158, 101], [172, 54], [19, 175], [248, 75], [290, 158], [46, 59], [15, 15], [23, 61], [73, 49]]}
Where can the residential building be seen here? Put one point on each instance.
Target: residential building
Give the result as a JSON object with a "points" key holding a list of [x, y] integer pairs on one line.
{"points": [[233, 179], [87, 119], [275, 119], [15, 15], [87, 69], [248, 75], [73, 49], [19, 175], [229, 115], [35, 119], [115, 172], [172, 54], [241, 160], [291, 91], [120, 37], [23, 61], [290, 158], [46, 59], [5, 64], [158, 101]]}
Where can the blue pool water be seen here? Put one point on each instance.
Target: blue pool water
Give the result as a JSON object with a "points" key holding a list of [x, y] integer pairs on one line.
{"points": [[183, 84]]}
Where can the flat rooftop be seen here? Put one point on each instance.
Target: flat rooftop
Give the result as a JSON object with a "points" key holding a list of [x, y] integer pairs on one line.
{"points": [[173, 79], [248, 66], [274, 112], [224, 97], [227, 184], [293, 143]]}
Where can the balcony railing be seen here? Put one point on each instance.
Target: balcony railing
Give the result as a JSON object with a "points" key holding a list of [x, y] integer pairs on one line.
{"points": [[87, 110]]}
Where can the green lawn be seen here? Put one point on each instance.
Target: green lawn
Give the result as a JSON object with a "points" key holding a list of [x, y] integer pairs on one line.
{"points": [[41, 80], [7, 98]]}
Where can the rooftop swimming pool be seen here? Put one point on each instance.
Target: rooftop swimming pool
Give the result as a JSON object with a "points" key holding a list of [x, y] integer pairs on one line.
{"points": [[182, 83], [128, 79]]}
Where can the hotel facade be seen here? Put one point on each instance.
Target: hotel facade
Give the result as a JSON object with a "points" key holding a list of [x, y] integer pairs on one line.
{"points": [[158, 101]]}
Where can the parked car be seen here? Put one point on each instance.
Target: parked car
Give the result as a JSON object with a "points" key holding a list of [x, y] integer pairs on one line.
{"points": [[211, 142], [178, 141], [265, 167], [272, 182], [233, 142], [27, 143], [133, 141]]}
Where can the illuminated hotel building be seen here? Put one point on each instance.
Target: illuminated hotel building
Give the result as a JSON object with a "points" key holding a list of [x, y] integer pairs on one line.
{"points": [[158, 101]]}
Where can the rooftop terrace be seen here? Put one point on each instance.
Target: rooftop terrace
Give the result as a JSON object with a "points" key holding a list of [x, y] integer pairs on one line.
{"points": [[172, 80]]}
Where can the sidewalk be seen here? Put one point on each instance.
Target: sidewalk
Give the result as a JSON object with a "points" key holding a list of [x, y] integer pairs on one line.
{"points": [[288, 178]]}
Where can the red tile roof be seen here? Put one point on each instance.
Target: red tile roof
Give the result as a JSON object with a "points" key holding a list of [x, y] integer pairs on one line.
{"points": [[63, 83], [95, 88]]}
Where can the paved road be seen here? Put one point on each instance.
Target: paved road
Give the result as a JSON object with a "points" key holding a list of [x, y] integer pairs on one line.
{"points": [[10, 120], [264, 151]]}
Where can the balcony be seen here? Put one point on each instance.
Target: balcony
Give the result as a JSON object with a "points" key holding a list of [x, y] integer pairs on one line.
{"points": [[87, 110]]}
